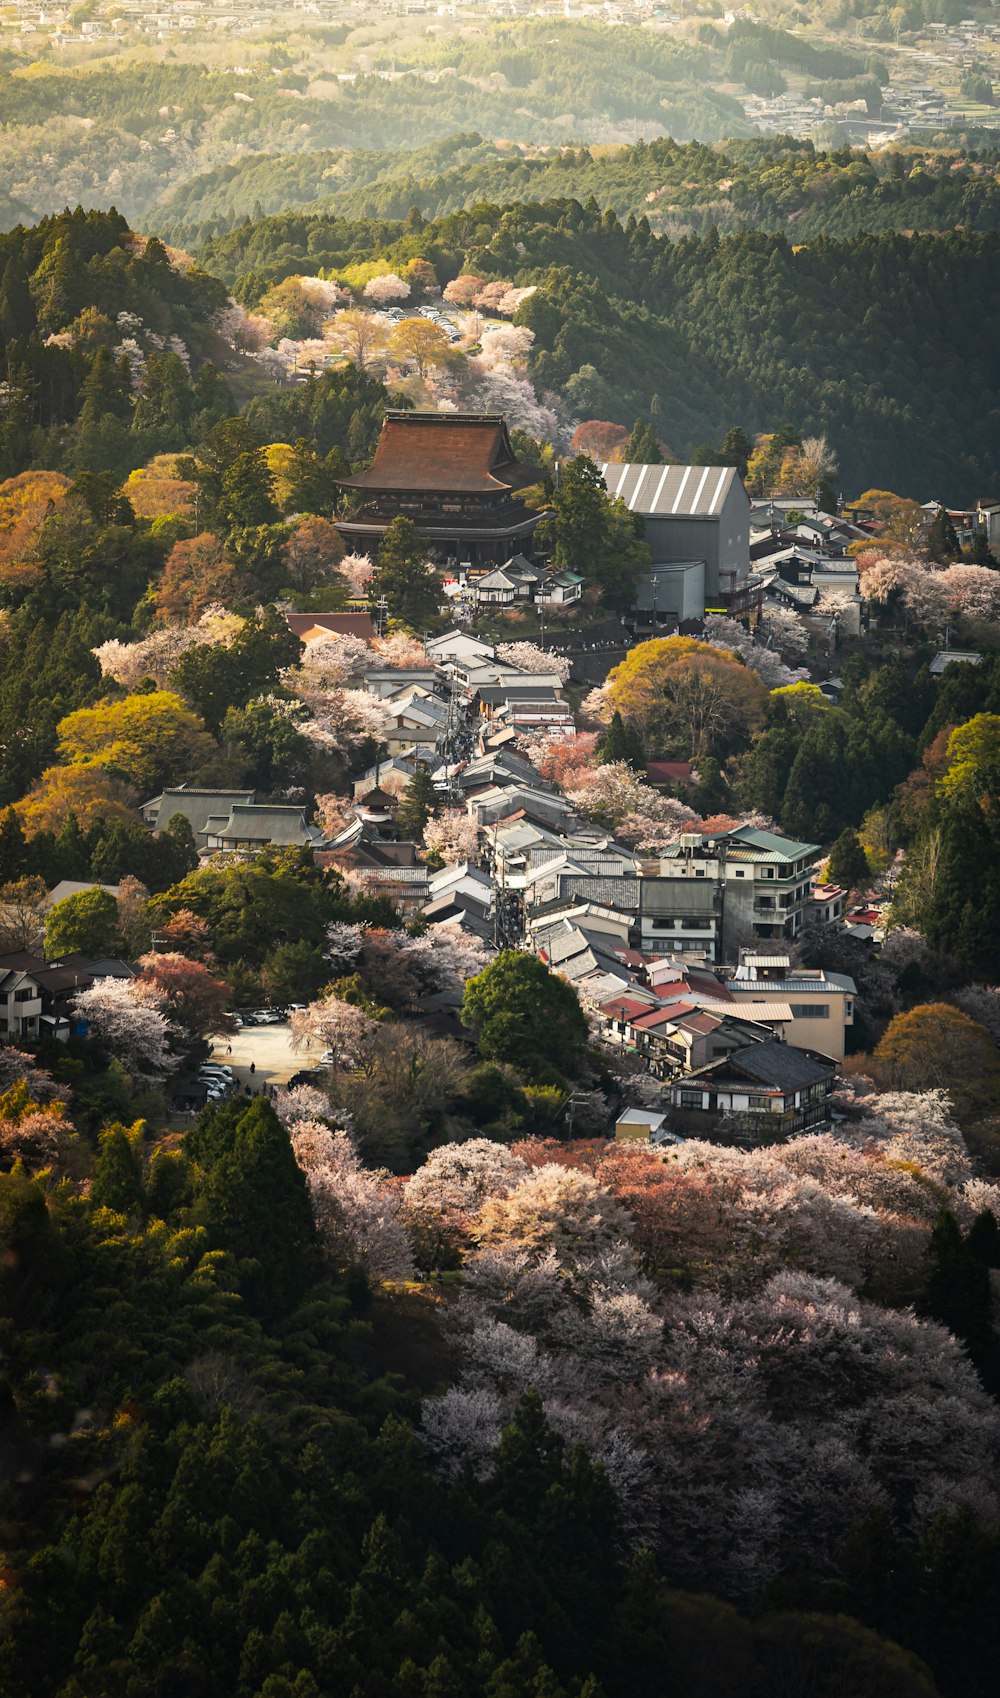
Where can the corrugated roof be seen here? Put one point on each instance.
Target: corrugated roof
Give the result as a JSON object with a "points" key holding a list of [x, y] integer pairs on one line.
{"points": [[460, 453], [771, 843], [670, 491]]}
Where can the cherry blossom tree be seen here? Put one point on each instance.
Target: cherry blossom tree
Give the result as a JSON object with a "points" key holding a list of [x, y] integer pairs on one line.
{"points": [[981, 1003], [505, 345], [189, 994], [447, 1193], [126, 1018], [386, 289], [37, 1134], [17, 1067], [528, 657], [360, 335], [344, 943], [157, 655], [356, 1209], [597, 707], [400, 649], [328, 662], [300, 1102], [555, 1211], [498, 389], [246, 332], [725, 633], [613, 793], [339, 1026], [914, 1126], [342, 719], [358, 570], [453, 835], [463, 290]]}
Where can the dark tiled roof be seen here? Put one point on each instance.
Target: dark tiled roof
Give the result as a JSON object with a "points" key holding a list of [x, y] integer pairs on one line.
{"points": [[463, 453], [774, 1064]]}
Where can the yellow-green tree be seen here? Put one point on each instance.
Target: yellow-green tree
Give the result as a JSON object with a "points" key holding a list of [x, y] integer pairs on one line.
{"points": [[418, 342], [973, 757], [686, 697], [87, 792], [147, 740], [937, 1047], [159, 489]]}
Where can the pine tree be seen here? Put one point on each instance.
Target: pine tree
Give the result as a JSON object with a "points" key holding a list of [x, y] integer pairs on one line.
{"points": [[17, 311], [643, 447], [848, 861], [736, 450], [248, 492], [942, 539], [620, 742], [72, 849], [117, 1177], [402, 576], [310, 486], [13, 848], [418, 804]]}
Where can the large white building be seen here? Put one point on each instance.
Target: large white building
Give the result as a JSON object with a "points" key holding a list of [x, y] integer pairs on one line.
{"points": [[696, 521]]}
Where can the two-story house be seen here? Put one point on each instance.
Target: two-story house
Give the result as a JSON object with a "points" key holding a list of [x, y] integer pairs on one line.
{"points": [[760, 1094]]}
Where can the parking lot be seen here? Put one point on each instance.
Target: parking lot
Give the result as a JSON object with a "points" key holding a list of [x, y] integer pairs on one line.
{"points": [[270, 1050]]}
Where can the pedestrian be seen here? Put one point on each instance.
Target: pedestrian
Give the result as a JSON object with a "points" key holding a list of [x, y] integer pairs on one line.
{"points": [[229, 1049], [253, 1067]]}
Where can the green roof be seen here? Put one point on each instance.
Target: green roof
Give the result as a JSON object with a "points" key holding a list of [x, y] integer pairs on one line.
{"points": [[771, 843]]}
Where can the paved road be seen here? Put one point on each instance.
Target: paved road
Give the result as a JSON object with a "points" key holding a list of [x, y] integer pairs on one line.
{"points": [[270, 1049]]}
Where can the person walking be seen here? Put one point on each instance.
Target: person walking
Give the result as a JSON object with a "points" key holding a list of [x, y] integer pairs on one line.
{"points": [[253, 1067]]}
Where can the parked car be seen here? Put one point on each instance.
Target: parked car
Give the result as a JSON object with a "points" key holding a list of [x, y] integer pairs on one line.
{"points": [[267, 1017], [220, 1072], [328, 1057]]}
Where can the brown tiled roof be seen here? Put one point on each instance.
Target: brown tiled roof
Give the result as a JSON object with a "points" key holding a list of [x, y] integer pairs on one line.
{"points": [[464, 453], [341, 624]]}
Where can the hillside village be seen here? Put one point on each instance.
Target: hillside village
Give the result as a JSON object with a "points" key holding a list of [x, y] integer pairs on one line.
{"points": [[681, 935], [499, 850]]}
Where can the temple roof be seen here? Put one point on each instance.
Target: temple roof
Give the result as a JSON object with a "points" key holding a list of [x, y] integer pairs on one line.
{"points": [[459, 453]]}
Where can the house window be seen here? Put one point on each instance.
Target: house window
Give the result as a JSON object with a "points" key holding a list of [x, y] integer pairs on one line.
{"points": [[741, 872], [690, 1099], [810, 1010]]}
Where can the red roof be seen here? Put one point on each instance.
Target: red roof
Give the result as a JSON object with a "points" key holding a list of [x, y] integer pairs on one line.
{"points": [[664, 1016], [459, 453], [341, 624], [622, 1007]]}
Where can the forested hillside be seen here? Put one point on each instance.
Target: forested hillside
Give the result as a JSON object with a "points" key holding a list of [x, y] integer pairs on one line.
{"points": [[889, 344], [126, 132], [766, 184]]}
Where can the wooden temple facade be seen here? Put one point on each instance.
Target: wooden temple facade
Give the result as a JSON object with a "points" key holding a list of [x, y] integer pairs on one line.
{"points": [[456, 476]]}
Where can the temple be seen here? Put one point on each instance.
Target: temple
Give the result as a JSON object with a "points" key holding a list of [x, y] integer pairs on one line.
{"points": [[456, 476]]}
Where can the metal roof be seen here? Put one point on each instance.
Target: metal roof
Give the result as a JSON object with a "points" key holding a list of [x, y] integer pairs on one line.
{"points": [[669, 491]]}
